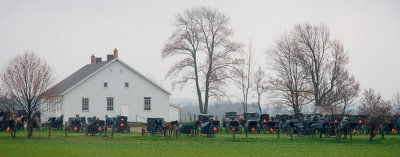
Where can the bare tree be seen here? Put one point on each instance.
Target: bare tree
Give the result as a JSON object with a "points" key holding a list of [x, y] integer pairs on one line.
{"points": [[341, 98], [376, 109], [396, 102], [243, 76], [289, 87], [260, 85], [205, 30], [25, 80], [321, 58]]}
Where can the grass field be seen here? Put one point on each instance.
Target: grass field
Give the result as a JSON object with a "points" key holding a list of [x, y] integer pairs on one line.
{"points": [[223, 145]]}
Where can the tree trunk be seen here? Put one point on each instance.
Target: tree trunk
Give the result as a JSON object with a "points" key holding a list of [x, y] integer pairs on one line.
{"points": [[29, 126], [259, 103], [198, 86]]}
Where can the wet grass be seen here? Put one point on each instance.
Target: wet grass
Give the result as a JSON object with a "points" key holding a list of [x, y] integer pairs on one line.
{"points": [[123, 144]]}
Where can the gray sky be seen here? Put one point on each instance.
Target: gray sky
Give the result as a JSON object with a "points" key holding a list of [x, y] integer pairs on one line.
{"points": [[66, 33]]}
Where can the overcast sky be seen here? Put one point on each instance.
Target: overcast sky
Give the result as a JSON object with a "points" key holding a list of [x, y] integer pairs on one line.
{"points": [[66, 33]]}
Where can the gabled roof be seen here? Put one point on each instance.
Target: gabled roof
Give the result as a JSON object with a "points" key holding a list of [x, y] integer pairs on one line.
{"points": [[85, 72]]}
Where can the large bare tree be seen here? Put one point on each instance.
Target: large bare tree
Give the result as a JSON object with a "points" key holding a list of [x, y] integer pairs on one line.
{"points": [[322, 58], [376, 109], [202, 42], [289, 87], [25, 80]]}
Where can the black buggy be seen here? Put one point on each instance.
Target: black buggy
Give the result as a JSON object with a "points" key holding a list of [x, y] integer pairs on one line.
{"points": [[208, 125], [121, 124], [56, 122], [264, 118], [76, 124], [230, 122], [251, 122], [154, 125], [94, 126]]}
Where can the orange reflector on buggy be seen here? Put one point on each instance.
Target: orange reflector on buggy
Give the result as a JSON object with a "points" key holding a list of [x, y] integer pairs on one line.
{"points": [[8, 128], [393, 130], [215, 128], [265, 121], [233, 128], [271, 129], [359, 121], [354, 131], [335, 121], [99, 129], [121, 125], [253, 129], [75, 128]]}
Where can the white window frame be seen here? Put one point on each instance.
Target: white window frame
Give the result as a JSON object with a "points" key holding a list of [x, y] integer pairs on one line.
{"points": [[83, 103], [147, 103], [110, 103]]}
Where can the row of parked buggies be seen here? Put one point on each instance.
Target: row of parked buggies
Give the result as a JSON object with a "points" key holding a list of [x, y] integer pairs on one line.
{"points": [[209, 125], [91, 125], [301, 124]]}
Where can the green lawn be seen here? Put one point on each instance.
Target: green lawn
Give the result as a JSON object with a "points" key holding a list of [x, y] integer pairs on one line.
{"points": [[223, 145]]}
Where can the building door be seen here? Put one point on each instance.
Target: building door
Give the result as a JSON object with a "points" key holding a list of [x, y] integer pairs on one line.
{"points": [[125, 110]]}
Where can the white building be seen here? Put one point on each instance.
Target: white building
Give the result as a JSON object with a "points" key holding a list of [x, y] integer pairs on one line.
{"points": [[111, 87]]}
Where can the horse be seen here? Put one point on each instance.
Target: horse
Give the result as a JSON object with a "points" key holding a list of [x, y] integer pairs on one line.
{"points": [[109, 123], [196, 126], [36, 123], [170, 128], [20, 123]]}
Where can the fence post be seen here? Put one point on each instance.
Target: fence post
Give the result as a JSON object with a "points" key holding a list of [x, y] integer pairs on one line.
{"points": [[112, 131], [66, 132], [49, 131]]}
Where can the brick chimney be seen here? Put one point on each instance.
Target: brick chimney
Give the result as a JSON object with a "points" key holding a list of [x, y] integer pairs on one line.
{"points": [[98, 60], [92, 59], [110, 57], [115, 53]]}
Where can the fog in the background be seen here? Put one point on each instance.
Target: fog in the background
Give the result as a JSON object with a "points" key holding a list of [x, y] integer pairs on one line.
{"points": [[66, 33]]}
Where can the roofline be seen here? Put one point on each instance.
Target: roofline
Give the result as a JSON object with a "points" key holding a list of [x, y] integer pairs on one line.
{"points": [[123, 64], [148, 79], [87, 77]]}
